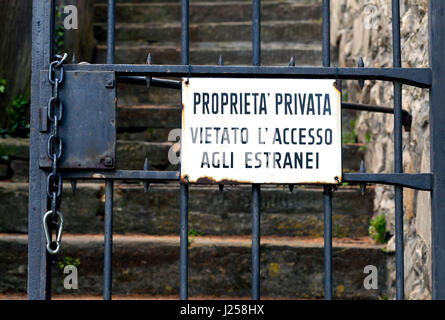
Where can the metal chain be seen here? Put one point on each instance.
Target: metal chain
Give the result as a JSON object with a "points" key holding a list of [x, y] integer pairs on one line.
{"points": [[53, 218]]}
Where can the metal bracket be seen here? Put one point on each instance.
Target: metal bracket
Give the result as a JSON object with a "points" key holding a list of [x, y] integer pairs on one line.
{"points": [[88, 126]]}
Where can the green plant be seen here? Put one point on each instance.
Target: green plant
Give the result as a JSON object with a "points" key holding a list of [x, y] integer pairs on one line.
{"points": [[368, 137], [192, 234], [350, 136], [339, 232], [19, 125], [67, 261], [2, 85], [377, 229], [59, 32]]}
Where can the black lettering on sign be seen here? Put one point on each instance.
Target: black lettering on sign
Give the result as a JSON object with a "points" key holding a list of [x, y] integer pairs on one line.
{"points": [[302, 104], [285, 160], [205, 160], [205, 103], [233, 103], [224, 101], [196, 101]]}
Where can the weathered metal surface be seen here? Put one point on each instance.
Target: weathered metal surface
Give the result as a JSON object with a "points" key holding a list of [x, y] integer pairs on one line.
{"points": [[437, 133], [88, 126], [419, 77], [261, 131]]}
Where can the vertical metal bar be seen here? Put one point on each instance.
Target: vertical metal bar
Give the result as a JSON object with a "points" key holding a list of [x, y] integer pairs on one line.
{"points": [[185, 32], [184, 187], [256, 217], [183, 285], [398, 161], [327, 191], [52, 30], [39, 268], [256, 32], [108, 238], [327, 198], [108, 227], [326, 33], [436, 14], [256, 188], [111, 24]]}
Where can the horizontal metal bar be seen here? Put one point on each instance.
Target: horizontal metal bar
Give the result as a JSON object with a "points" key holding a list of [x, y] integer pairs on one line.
{"points": [[419, 181], [367, 107], [155, 82], [419, 77], [406, 116], [151, 176]]}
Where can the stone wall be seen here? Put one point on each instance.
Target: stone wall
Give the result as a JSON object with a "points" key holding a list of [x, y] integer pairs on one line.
{"points": [[363, 29]]}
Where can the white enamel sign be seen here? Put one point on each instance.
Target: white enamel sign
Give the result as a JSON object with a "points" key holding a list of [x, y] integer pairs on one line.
{"points": [[261, 131]]}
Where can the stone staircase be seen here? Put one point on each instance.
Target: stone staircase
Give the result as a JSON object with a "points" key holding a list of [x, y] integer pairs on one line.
{"points": [[146, 225]]}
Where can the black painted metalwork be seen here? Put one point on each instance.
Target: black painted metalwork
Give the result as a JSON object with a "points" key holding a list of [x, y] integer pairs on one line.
{"points": [[398, 145], [437, 143], [108, 239], [418, 77], [327, 193], [184, 187], [107, 159], [39, 275], [256, 188], [327, 199]]}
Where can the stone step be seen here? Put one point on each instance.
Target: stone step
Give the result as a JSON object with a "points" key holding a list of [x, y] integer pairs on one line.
{"points": [[192, 1], [208, 53], [283, 213], [218, 266], [131, 155], [75, 296], [271, 31], [128, 94], [214, 11]]}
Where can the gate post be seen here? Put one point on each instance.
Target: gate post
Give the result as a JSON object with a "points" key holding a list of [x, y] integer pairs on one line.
{"points": [[437, 140], [38, 286]]}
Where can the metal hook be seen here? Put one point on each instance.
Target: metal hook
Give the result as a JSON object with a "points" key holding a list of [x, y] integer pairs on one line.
{"points": [[49, 241]]}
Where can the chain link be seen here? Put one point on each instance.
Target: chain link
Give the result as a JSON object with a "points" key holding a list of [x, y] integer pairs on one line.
{"points": [[53, 218]]}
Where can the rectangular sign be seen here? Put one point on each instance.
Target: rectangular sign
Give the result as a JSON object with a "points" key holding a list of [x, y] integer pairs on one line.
{"points": [[261, 131]]}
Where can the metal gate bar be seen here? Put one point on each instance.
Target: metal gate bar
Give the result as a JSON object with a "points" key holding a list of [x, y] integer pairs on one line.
{"points": [[108, 219], [108, 239], [184, 187], [39, 271], [256, 188], [437, 143], [327, 190], [417, 77], [398, 144]]}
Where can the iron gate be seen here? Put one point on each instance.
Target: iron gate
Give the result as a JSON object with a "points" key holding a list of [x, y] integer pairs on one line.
{"points": [[50, 163]]}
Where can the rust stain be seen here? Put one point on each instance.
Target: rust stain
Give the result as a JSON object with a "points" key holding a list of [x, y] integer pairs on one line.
{"points": [[211, 180], [337, 86]]}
